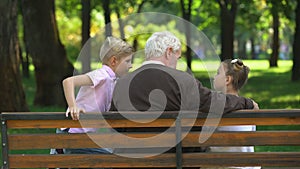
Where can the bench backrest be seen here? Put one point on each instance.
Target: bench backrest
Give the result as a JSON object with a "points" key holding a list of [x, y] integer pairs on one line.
{"points": [[20, 145]]}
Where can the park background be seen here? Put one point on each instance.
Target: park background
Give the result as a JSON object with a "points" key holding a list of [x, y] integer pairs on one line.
{"points": [[40, 41]]}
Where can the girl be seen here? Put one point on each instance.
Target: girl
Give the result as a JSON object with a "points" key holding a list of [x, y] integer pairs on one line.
{"points": [[232, 75]]}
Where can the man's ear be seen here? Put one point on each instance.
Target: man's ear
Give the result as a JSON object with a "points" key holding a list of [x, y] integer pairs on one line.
{"points": [[168, 53]]}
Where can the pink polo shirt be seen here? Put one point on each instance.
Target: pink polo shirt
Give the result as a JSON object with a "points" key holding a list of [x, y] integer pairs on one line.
{"points": [[96, 98]]}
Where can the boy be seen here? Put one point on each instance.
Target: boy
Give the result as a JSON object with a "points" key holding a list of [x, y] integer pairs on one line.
{"points": [[97, 86]]}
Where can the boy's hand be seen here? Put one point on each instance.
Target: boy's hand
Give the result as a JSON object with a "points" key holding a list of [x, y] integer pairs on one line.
{"points": [[74, 111]]}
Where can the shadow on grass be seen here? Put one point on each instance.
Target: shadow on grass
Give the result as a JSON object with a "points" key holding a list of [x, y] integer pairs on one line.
{"points": [[273, 90]]}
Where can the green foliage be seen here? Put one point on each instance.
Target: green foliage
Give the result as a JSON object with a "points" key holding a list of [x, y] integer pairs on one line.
{"points": [[69, 26], [253, 20]]}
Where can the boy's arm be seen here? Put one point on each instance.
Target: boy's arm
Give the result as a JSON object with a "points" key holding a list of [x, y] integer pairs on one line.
{"points": [[69, 85]]}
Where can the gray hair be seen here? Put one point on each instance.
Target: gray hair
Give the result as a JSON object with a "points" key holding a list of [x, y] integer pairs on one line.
{"points": [[158, 43]]}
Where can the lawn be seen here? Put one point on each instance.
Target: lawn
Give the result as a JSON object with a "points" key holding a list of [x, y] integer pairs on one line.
{"points": [[269, 87]]}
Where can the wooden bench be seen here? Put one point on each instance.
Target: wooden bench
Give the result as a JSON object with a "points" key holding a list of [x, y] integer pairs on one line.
{"points": [[18, 142]]}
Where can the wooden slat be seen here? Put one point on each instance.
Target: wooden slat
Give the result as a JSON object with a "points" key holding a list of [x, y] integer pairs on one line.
{"points": [[42, 124], [278, 159], [163, 160], [45, 141], [89, 161], [146, 115], [258, 138], [261, 121], [157, 123], [86, 123]]}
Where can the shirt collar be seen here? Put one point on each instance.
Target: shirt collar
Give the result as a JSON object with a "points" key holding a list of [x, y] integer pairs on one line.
{"points": [[152, 62], [109, 71]]}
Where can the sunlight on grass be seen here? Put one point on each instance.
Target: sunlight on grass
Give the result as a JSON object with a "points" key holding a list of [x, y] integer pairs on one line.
{"points": [[272, 87], [208, 66], [258, 68]]}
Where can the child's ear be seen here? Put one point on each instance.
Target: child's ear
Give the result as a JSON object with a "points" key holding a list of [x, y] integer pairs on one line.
{"points": [[113, 61], [228, 80]]}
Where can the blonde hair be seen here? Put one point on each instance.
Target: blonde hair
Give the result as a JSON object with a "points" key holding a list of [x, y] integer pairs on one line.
{"points": [[113, 46], [238, 71], [158, 43]]}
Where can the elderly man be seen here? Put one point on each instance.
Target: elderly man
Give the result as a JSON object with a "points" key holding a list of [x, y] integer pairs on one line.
{"points": [[158, 86]]}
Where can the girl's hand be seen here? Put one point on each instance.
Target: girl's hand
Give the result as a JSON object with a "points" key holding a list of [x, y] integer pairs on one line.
{"points": [[255, 105]]}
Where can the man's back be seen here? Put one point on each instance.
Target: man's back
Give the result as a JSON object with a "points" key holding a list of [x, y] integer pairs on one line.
{"points": [[155, 87]]}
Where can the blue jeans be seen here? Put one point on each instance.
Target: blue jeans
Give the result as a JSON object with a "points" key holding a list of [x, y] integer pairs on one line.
{"points": [[88, 151]]}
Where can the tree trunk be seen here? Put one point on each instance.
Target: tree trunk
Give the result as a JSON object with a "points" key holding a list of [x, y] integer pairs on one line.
{"points": [[275, 43], [47, 52], [12, 93], [24, 63], [121, 24], [227, 14], [135, 41], [108, 29], [296, 49], [242, 54], [24, 59], [186, 14], [253, 53], [85, 34]]}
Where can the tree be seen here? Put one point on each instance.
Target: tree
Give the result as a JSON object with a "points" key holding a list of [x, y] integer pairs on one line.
{"points": [[186, 14], [139, 10], [24, 59], [85, 34], [275, 26], [279, 9], [246, 26], [121, 24], [12, 93], [227, 14], [108, 29], [47, 52], [296, 49]]}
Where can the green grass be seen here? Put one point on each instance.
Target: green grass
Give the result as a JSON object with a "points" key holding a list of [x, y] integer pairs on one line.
{"points": [[272, 87], [269, 87]]}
